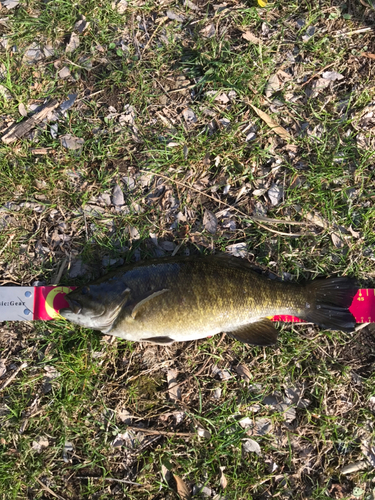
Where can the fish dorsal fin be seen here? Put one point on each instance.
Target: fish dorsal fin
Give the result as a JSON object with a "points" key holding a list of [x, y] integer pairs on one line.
{"points": [[261, 332], [142, 303]]}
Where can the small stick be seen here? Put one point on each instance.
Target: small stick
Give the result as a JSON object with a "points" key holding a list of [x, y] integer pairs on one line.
{"points": [[17, 131], [13, 376], [362, 30], [163, 433], [45, 488], [56, 281], [109, 479], [254, 217], [11, 237], [317, 74]]}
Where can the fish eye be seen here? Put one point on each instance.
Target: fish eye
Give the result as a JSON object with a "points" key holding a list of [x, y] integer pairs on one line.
{"points": [[85, 290]]}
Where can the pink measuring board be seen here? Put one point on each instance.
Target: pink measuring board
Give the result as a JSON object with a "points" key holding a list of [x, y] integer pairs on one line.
{"points": [[44, 303]]}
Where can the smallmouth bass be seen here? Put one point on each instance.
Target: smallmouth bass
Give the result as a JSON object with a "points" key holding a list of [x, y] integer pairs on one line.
{"points": [[189, 298]]}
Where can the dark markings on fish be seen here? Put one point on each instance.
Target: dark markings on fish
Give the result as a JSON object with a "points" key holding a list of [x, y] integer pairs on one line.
{"points": [[331, 299], [206, 296], [261, 332], [159, 340], [143, 302]]}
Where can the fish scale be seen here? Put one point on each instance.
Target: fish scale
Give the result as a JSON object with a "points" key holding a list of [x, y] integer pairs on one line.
{"points": [[188, 298], [44, 303]]}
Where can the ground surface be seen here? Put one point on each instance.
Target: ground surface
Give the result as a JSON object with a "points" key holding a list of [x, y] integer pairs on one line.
{"points": [[159, 147]]}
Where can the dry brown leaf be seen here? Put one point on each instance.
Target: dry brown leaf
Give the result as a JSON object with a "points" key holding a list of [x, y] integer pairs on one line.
{"points": [[355, 234], [368, 55], [337, 240], [273, 85], [174, 391], [278, 129], [316, 219], [210, 221], [182, 489], [285, 77], [244, 372], [16, 131], [251, 38], [223, 479]]}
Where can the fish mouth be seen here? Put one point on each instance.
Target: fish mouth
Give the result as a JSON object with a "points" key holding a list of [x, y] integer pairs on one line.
{"points": [[74, 306]]}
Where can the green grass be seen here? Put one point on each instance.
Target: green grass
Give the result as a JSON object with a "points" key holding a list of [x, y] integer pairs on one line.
{"points": [[329, 174]]}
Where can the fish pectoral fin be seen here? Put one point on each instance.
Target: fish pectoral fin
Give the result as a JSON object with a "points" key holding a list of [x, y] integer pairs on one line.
{"points": [[142, 303], [159, 340], [261, 332]]}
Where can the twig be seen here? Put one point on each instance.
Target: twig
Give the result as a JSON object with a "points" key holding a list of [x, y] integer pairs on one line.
{"points": [[317, 74], [153, 34], [56, 280], [10, 239], [355, 32], [17, 131], [13, 376], [113, 479], [163, 433], [281, 233], [48, 490], [255, 218]]}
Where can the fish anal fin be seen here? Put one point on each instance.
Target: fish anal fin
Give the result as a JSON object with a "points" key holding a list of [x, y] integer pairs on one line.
{"points": [[143, 302], [159, 340], [260, 332]]}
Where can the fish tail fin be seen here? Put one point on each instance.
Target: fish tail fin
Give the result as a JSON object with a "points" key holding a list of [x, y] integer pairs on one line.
{"points": [[329, 301]]}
